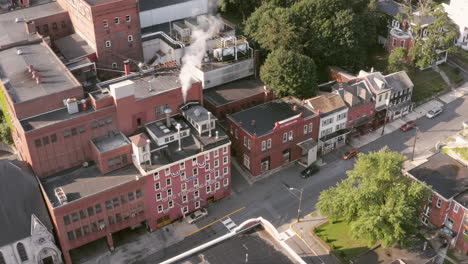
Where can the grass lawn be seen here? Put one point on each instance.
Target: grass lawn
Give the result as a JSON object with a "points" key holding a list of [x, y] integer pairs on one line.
{"points": [[426, 83], [338, 235], [453, 73], [463, 152]]}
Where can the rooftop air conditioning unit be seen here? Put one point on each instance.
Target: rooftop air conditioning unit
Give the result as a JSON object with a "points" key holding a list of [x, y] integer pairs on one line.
{"points": [[60, 194]]}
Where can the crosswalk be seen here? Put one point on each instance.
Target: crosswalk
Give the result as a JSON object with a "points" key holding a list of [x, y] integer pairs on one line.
{"points": [[286, 235], [229, 224]]}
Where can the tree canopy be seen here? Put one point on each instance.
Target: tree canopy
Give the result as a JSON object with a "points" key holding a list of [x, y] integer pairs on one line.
{"points": [[289, 73], [332, 32], [398, 60], [380, 204]]}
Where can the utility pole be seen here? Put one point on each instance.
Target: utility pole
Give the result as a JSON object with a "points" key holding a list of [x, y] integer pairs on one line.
{"points": [[414, 143], [384, 122], [300, 198]]}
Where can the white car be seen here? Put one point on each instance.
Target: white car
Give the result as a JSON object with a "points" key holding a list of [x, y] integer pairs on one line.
{"points": [[434, 112], [197, 215]]}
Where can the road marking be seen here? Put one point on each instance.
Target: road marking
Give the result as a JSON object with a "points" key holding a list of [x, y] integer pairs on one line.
{"points": [[291, 227], [229, 223], [214, 222]]}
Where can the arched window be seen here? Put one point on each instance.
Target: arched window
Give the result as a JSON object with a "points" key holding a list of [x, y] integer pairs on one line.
{"points": [[22, 252], [2, 259]]}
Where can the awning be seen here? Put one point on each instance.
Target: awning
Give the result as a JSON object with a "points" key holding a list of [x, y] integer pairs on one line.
{"points": [[307, 144], [335, 134], [363, 120]]}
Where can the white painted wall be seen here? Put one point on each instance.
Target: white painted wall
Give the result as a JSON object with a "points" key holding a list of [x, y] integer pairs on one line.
{"points": [[173, 12], [341, 122], [228, 73]]}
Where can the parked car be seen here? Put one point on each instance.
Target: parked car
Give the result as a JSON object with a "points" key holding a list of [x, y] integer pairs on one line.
{"points": [[197, 215], [434, 112], [408, 126], [309, 171], [350, 154]]}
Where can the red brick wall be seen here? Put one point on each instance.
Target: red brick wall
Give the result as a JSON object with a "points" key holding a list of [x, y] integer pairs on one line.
{"points": [[408, 43], [353, 112], [277, 147], [82, 22], [101, 159], [437, 215], [55, 26], [121, 48], [70, 151], [100, 198], [176, 185]]}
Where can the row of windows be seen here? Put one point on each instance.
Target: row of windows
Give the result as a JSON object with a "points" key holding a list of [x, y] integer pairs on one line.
{"points": [[402, 43], [45, 27], [157, 185], [338, 118], [114, 203], [286, 137], [195, 161], [117, 161], [109, 43], [105, 23]]}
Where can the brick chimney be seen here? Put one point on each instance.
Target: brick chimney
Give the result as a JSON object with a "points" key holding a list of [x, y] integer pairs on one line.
{"points": [[30, 27], [127, 67]]}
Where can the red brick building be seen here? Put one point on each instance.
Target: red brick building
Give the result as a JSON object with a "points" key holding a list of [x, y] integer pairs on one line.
{"points": [[272, 134], [236, 96], [360, 103], [447, 208]]}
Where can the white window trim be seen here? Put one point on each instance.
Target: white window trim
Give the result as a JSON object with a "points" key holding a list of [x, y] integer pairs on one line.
{"points": [[158, 197], [216, 153], [195, 182], [184, 198], [156, 176], [197, 204], [208, 189], [183, 186], [438, 205], [225, 182], [108, 44], [217, 186], [167, 172], [225, 170], [207, 177], [170, 204], [117, 20], [269, 143], [285, 137], [263, 145], [225, 150], [105, 23], [182, 165], [130, 38], [455, 208], [159, 184], [129, 18], [196, 194], [168, 182], [185, 209], [160, 208]]}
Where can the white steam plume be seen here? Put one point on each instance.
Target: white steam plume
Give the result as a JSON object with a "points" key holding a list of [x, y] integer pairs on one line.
{"points": [[195, 53]]}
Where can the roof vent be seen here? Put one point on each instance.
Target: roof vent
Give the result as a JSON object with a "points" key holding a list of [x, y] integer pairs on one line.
{"points": [[60, 194], [19, 19], [197, 112], [19, 52]]}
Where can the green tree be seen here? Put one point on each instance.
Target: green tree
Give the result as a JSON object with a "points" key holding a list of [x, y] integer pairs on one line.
{"points": [[289, 73], [398, 60], [440, 36], [376, 199], [5, 134]]}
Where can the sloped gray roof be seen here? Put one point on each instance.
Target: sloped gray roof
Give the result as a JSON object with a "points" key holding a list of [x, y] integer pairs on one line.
{"points": [[20, 197], [390, 7], [399, 81]]}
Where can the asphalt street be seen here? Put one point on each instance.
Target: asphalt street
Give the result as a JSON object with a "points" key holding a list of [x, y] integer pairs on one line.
{"points": [[271, 200]]}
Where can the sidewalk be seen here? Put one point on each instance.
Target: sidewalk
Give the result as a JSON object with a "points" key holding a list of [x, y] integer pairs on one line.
{"points": [[303, 231], [417, 113]]}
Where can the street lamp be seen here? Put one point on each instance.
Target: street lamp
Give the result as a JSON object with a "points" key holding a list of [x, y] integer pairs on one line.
{"points": [[300, 198]]}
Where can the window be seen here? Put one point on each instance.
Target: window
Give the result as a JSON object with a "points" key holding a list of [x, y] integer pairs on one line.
{"points": [[109, 120], [182, 165], [216, 173], [182, 175], [123, 199], [131, 196], [197, 204], [45, 28], [245, 141], [225, 150], [158, 197], [386, 96], [86, 229], [449, 223], [380, 98], [168, 182], [196, 194], [225, 182], [310, 127], [207, 177], [118, 218], [82, 214], [169, 192], [111, 220], [105, 23], [285, 137], [263, 145], [156, 176], [160, 109], [216, 163], [248, 143], [108, 205], [45, 140], [427, 210], [246, 161], [53, 138], [38, 143], [225, 170], [439, 203], [160, 208], [305, 129], [424, 220], [64, 25], [71, 235], [225, 160], [235, 134], [394, 43], [167, 172], [116, 20], [207, 156], [171, 204], [402, 43], [98, 208], [195, 182], [183, 186], [455, 208], [94, 124], [108, 43], [127, 18], [78, 232], [90, 211], [114, 65], [54, 26], [184, 198], [82, 129], [217, 186], [73, 131], [195, 171], [290, 135], [208, 189], [269, 143], [130, 38], [74, 217], [216, 153], [101, 122], [66, 220], [157, 186], [185, 209], [115, 201], [138, 193]]}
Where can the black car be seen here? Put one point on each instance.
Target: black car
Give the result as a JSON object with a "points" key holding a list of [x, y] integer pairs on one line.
{"points": [[309, 171]]}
